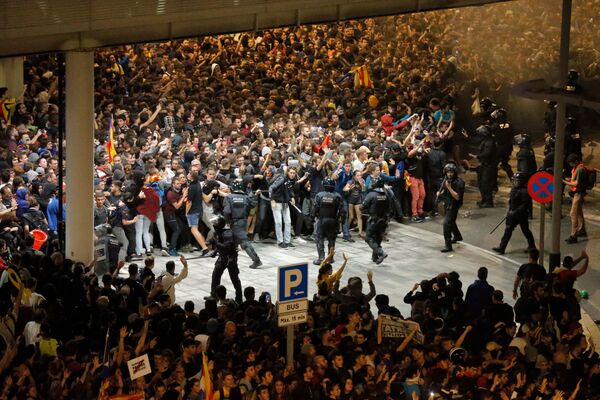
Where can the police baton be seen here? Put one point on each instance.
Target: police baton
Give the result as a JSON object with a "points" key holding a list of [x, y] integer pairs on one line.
{"points": [[440, 191], [499, 223], [296, 208]]}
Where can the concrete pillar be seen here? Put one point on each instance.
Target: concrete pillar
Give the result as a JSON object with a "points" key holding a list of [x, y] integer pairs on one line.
{"points": [[12, 75], [79, 135], [561, 121]]}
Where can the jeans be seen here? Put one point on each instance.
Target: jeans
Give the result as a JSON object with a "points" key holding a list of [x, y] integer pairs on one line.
{"points": [[281, 211], [142, 234], [177, 226], [119, 233], [160, 224], [345, 226]]}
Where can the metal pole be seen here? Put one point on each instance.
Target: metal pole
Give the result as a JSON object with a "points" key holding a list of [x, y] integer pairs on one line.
{"points": [[542, 232], [290, 345], [554, 260]]}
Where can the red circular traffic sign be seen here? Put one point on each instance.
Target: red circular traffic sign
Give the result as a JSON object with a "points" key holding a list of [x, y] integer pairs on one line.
{"points": [[541, 186]]}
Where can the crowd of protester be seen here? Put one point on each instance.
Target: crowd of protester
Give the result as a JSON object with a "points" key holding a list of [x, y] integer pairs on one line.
{"points": [[274, 109]]}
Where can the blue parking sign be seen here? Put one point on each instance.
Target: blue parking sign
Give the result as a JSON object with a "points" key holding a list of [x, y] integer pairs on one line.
{"points": [[292, 282]]}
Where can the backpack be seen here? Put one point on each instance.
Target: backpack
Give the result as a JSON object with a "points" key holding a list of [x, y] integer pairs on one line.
{"points": [[589, 178]]}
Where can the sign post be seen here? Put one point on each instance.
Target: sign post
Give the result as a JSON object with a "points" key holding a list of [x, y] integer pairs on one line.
{"points": [[540, 188], [292, 304]]}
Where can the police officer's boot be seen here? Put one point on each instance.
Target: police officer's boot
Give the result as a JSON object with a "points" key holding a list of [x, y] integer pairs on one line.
{"points": [[448, 247], [321, 254], [499, 249]]}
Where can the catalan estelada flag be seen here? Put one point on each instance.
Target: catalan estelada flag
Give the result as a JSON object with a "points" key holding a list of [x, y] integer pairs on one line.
{"points": [[207, 386], [110, 141], [361, 77]]}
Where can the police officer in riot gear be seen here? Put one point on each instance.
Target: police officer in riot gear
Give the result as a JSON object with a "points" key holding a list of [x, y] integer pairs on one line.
{"points": [[504, 139], [328, 209], [378, 205], [226, 248], [451, 192], [236, 207], [549, 145], [487, 174], [518, 210], [572, 140], [487, 106], [526, 163]]}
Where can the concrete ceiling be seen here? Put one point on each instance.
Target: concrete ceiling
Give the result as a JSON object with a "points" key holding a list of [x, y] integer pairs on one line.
{"points": [[37, 26]]}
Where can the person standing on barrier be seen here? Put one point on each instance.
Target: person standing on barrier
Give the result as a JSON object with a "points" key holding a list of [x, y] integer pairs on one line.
{"points": [[236, 207], [518, 214], [328, 209], [226, 248], [378, 205], [452, 190]]}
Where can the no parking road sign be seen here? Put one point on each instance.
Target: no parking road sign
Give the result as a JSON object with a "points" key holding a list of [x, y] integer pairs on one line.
{"points": [[541, 186]]}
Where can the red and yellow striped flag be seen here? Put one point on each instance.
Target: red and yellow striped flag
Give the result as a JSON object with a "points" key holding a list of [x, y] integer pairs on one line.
{"points": [[207, 386], [110, 142], [362, 77]]}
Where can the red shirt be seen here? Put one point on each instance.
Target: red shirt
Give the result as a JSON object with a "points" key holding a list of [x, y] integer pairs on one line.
{"points": [[151, 204]]}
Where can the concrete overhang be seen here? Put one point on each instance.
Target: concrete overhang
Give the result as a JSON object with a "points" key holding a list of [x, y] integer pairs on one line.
{"points": [[38, 26]]}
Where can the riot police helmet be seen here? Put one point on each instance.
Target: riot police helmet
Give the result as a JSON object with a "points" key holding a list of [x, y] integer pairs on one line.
{"points": [[218, 222], [238, 186], [550, 144], [486, 103], [328, 184], [483, 130], [377, 183], [450, 167], [519, 179], [458, 355], [524, 140], [500, 115]]}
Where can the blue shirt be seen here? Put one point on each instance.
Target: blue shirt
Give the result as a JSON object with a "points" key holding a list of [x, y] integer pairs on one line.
{"points": [[384, 177], [52, 214], [342, 179]]}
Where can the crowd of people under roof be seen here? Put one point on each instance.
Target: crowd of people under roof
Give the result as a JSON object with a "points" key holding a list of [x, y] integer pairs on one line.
{"points": [[252, 108]]}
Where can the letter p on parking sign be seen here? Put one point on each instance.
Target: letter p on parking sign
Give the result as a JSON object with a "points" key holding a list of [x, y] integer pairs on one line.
{"points": [[292, 282]]}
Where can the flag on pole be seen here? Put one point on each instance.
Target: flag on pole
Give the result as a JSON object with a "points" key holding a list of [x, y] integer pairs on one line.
{"points": [[362, 77], [110, 141], [207, 386]]}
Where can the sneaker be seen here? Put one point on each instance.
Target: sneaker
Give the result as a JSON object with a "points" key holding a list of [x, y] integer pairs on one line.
{"points": [[282, 245], [173, 253], [380, 259], [349, 239], [458, 239], [255, 264], [498, 250], [148, 253], [289, 244], [581, 233], [416, 219], [309, 238], [317, 261], [571, 240], [447, 249], [164, 252]]}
